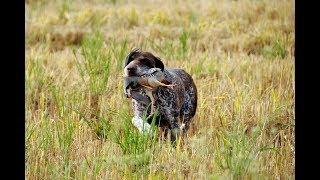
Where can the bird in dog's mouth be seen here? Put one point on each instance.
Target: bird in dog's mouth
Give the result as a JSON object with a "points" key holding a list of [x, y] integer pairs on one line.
{"points": [[152, 79]]}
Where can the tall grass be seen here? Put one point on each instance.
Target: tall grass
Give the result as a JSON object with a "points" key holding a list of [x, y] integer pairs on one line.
{"points": [[94, 69]]}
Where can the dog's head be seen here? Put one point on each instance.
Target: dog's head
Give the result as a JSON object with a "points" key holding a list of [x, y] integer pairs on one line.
{"points": [[138, 63], [137, 68]]}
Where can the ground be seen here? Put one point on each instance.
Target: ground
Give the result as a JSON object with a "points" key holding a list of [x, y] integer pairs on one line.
{"points": [[240, 54]]}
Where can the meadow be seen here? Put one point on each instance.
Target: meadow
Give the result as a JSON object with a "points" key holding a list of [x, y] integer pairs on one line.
{"points": [[240, 54]]}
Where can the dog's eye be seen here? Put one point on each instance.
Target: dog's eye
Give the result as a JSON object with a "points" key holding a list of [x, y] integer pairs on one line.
{"points": [[146, 62]]}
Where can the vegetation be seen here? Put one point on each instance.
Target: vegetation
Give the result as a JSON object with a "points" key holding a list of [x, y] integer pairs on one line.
{"points": [[240, 54]]}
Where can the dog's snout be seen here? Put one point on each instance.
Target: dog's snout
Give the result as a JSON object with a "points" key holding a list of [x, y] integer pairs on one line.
{"points": [[130, 69]]}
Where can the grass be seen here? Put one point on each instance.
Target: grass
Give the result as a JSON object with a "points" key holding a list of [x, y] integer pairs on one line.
{"points": [[240, 54]]}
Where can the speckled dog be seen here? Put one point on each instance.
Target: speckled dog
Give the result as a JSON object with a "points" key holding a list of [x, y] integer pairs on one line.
{"points": [[173, 93]]}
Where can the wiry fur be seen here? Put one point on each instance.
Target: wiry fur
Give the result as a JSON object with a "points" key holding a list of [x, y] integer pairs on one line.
{"points": [[176, 105]]}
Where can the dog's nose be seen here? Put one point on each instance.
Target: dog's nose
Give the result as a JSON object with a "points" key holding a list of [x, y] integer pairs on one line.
{"points": [[129, 71]]}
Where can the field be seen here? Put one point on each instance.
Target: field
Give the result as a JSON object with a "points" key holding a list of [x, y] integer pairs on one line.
{"points": [[240, 54]]}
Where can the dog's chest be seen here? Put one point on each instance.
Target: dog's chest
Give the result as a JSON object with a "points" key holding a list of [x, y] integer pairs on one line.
{"points": [[167, 98]]}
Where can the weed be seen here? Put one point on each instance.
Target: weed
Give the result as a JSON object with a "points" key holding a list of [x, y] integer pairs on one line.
{"points": [[119, 50], [132, 141], [94, 69], [183, 42]]}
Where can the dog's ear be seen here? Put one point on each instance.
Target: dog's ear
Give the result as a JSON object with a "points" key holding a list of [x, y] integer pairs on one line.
{"points": [[159, 63], [129, 58]]}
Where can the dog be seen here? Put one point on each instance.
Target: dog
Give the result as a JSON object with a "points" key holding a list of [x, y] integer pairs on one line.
{"points": [[175, 97]]}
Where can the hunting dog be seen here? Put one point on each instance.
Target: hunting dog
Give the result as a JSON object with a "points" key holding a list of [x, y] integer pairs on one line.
{"points": [[170, 94]]}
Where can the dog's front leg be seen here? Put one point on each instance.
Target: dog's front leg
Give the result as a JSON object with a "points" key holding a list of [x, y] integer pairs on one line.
{"points": [[175, 130], [140, 111], [141, 125]]}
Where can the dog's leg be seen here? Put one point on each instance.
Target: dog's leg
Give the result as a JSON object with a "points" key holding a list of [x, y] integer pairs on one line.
{"points": [[185, 125], [140, 110], [142, 126], [169, 112], [190, 105], [174, 127]]}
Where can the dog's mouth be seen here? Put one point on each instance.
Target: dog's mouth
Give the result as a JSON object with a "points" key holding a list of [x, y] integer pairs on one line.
{"points": [[150, 80], [149, 73]]}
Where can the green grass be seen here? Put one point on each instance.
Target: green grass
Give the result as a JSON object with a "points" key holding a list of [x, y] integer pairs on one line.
{"points": [[183, 38], [240, 54]]}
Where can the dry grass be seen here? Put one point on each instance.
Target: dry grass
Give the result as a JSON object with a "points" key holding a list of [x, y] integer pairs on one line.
{"points": [[240, 54]]}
